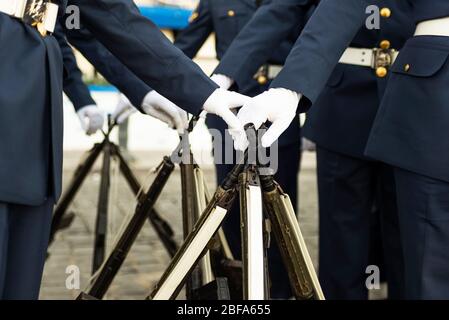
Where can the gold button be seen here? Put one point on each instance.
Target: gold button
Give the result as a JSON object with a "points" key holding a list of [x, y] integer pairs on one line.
{"points": [[262, 80], [231, 13], [381, 72], [385, 44], [407, 67], [385, 12]]}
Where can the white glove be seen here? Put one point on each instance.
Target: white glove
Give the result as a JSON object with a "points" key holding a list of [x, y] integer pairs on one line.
{"points": [[275, 105], [163, 109], [91, 119], [220, 103], [123, 110], [222, 81], [156, 106]]}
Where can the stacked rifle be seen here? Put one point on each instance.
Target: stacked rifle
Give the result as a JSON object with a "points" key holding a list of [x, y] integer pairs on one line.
{"points": [[204, 263]]}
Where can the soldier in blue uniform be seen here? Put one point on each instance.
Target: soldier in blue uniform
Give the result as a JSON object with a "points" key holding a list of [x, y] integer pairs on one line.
{"points": [[31, 114], [226, 18], [349, 183], [408, 132]]}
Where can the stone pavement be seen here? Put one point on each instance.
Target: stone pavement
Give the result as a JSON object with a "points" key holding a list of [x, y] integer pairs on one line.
{"points": [[148, 258]]}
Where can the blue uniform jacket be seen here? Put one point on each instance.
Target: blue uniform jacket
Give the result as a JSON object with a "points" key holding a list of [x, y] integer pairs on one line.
{"points": [[114, 71], [255, 43], [74, 87], [30, 114], [347, 105], [410, 128], [343, 115]]}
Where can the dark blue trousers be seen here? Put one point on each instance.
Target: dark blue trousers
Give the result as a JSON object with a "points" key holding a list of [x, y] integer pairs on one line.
{"points": [[349, 189], [24, 233], [424, 222], [287, 177]]}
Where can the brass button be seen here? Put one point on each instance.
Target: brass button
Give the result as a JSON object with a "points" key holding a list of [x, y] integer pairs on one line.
{"points": [[385, 44], [231, 13], [407, 68], [381, 72], [385, 12], [262, 80]]}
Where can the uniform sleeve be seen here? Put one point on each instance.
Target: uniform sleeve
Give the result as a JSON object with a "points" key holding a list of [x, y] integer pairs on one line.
{"points": [[73, 84], [142, 47], [268, 28], [320, 46], [108, 65], [191, 39]]}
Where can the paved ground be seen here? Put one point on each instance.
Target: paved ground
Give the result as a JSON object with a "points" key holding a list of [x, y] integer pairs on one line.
{"points": [[148, 258]]}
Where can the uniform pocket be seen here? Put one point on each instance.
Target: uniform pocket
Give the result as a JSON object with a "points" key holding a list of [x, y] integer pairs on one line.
{"points": [[420, 62]]}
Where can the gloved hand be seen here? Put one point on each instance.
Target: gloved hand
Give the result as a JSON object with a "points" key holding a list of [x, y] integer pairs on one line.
{"points": [[154, 105], [163, 109], [220, 103], [222, 81], [123, 110], [91, 119], [275, 105]]}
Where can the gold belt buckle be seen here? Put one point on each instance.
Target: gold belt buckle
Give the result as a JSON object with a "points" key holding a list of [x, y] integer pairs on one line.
{"points": [[383, 60], [35, 11], [262, 75]]}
